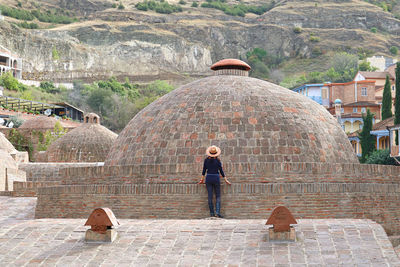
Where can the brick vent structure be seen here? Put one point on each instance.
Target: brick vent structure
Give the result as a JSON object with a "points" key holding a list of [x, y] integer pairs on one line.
{"points": [[90, 142], [278, 148]]}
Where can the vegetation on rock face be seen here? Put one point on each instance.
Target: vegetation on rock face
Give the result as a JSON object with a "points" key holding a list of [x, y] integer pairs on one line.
{"points": [[239, 9], [343, 68], [367, 140], [115, 102], [158, 6], [47, 16], [387, 100]]}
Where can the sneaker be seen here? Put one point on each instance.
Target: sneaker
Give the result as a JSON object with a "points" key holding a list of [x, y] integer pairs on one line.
{"points": [[212, 215], [220, 216]]}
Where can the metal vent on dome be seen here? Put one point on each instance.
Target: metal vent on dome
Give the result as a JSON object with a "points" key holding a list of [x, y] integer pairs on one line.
{"points": [[231, 67]]}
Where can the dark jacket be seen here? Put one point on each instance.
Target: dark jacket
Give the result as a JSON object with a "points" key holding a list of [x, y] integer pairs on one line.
{"points": [[212, 166]]}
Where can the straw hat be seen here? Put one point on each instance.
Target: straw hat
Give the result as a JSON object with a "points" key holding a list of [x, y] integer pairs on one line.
{"points": [[213, 151]]}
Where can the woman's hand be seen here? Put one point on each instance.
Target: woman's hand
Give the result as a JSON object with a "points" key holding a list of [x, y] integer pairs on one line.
{"points": [[226, 181], [201, 180]]}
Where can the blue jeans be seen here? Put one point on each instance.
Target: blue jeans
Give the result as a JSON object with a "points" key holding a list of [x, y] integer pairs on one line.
{"points": [[213, 184]]}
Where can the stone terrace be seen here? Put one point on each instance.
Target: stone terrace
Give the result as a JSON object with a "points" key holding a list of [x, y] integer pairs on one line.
{"points": [[217, 242]]}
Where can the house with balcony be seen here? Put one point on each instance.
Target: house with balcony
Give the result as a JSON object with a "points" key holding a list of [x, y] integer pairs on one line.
{"points": [[316, 91], [10, 62]]}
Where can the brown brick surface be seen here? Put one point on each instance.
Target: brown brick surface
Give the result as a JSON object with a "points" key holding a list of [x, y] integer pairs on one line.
{"points": [[237, 114]]}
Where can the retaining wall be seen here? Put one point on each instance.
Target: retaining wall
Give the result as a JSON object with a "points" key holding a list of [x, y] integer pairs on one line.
{"points": [[379, 202]]}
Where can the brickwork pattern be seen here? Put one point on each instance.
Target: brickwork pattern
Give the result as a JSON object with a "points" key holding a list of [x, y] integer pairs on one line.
{"points": [[253, 121], [42, 175], [237, 173], [86, 143], [375, 201]]}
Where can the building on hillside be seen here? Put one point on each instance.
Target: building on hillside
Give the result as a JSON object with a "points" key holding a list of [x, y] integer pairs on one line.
{"points": [[1, 90], [381, 62], [379, 130], [68, 110], [317, 92], [10, 62], [351, 115]]}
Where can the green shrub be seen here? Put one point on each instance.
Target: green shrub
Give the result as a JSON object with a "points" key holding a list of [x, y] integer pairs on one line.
{"points": [[182, 2], [315, 39], [159, 7], [374, 30], [297, 29], [17, 121], [237, 10], [16, 13], [316, 51], [394, 50], [380, 157], [54, 53], [114, 5], [121, 6], [49, 87], [195, 4], [27, 25], [52, 17]]}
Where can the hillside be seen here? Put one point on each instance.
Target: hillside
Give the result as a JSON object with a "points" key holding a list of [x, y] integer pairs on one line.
{"points": [[107, 41]]}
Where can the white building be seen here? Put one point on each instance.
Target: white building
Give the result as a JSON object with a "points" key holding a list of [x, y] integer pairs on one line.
{"points": [[10, 62], [381, 62]]}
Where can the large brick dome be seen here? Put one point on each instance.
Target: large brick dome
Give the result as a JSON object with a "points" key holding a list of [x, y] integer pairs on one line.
{"points": [[251, 120], [89, 142]]}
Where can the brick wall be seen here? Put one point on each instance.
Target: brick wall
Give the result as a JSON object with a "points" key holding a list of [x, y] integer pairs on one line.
{"points": [[375, 201], [41, 175], [243, 173]]}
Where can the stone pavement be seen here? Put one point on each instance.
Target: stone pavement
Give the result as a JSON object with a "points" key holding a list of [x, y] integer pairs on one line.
{"points": [[209, 242]]}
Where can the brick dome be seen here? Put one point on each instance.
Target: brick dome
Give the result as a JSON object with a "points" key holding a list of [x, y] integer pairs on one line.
{"points": [[41, 122], [89, 142], [251, 120]]}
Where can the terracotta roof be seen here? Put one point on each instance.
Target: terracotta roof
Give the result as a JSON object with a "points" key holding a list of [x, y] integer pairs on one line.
{"points": [[230, 63], [361, 103], [383, 124], [352, 115], [352, 82], [354, 134]]}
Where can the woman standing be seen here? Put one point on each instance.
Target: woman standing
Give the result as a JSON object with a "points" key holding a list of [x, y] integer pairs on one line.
{"points": [[213, 167]]}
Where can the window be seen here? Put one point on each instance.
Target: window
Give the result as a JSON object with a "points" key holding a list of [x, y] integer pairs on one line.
{"points": [[342, 110], [364, 91], [363, 110], [360, 126], [392, 87], [354, 110]]}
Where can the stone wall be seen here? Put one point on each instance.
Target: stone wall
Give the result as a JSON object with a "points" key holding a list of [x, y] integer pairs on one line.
{"points": [[375, 201], [43, 174], [309, 190], [243, 173]]}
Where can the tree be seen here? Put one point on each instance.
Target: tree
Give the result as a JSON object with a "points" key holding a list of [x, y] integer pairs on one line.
{"points": [[366, 139], [397, 99], [387, 100]]}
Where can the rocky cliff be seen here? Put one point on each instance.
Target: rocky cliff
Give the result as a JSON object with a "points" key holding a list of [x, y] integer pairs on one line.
{"points": [[147, 45]]}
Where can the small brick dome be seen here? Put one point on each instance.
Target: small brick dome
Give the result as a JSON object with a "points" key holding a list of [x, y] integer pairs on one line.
{"points": [[90, 142], [41, 123], [251, 120]]}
